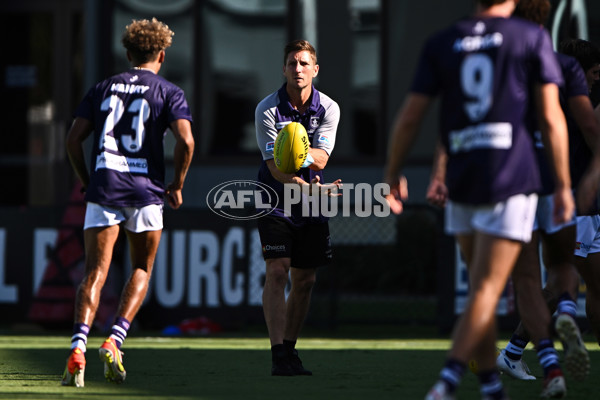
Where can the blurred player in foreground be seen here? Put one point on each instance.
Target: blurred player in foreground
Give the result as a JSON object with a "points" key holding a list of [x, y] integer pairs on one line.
{"points": [[295, 242], [558, 241], [587, 245], [486, 68], [129, 114]]}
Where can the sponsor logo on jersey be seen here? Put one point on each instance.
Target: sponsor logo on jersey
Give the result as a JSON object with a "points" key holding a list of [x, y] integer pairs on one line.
{"points": [[270, 146], [496, 135], [324, 139], [279, 248], [582, 246], [119, 163]]}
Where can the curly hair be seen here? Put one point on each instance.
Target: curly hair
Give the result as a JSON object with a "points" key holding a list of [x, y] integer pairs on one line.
{"points": [[533, 10], [587, 53], [145, 39]]}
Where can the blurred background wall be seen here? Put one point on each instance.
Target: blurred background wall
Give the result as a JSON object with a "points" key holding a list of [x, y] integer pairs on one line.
{"points": [[227, 56]]}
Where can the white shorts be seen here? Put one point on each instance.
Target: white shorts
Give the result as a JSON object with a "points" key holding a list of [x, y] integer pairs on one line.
{"points": [[544, 220], [510, 219], [588, 235], [148, 218]]}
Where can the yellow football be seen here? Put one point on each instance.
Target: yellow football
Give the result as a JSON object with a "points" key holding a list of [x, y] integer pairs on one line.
{"points": [[291, 148]]}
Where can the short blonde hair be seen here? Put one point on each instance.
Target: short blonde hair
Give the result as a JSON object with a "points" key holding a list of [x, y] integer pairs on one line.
{"points": [[144, 39], [299, 45]]}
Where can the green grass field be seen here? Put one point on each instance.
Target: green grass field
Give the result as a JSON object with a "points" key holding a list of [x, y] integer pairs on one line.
{"points": [[239, 368]]}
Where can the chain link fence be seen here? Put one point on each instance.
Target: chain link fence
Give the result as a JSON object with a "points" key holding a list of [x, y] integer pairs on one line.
{"points": [[384, 270]]}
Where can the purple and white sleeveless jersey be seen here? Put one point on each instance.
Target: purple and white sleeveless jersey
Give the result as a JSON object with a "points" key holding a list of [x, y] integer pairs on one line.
{"points": [[130, 112], [483, 69], [320, 120], [579, 153]]}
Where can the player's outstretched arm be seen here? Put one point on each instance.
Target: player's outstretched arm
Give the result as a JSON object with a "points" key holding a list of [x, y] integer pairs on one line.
{"points": [[330, 189], [80, 130], [184, 151], [282, 176]]}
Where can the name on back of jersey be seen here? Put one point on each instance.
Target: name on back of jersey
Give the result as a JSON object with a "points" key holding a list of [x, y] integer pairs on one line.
{"points": [[129, 88]]}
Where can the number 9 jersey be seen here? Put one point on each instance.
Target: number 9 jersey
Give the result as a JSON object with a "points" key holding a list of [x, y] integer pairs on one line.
{"points": [[130, 113], [484, 70]]}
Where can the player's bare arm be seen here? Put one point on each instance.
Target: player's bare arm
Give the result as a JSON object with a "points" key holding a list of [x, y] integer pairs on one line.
{"points": [[320, 158], [331, 188], [583, 112], [437, 192], [555, 136], [80, 130], [404, 132], [184, 151]]}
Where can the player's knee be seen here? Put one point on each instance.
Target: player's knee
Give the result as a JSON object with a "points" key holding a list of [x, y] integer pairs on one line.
{"points": [[140, 274], [142, 268], [277, 273], [304, 282]]}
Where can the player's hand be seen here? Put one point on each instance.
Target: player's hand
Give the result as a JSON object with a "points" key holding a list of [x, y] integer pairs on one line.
{"points": [[173, 196], [564, 205], [330, 189], [398, 194], [437, 193]]}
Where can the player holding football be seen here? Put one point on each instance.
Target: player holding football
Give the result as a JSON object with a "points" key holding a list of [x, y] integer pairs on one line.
{"points": [[487, 68], [294, 242], [129, 114]]}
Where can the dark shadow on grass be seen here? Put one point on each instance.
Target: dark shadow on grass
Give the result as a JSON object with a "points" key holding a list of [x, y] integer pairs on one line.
{"points": [[156, 374]]}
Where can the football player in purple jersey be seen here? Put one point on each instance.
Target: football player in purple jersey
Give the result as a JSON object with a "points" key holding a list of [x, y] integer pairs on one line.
{"points": [[558, 241], [587, 245], [294, 244], [129, 114], [487, 68]]}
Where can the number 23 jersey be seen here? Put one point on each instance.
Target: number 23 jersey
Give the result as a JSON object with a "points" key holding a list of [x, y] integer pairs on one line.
{"points": [[484, 69], [130, 113]]}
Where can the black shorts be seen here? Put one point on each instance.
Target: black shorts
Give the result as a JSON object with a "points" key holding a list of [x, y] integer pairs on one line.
{"points": [[308, 246]]}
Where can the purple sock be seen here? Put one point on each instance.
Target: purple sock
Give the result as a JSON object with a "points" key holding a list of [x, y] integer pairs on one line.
{"points": [[119, 330]]}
